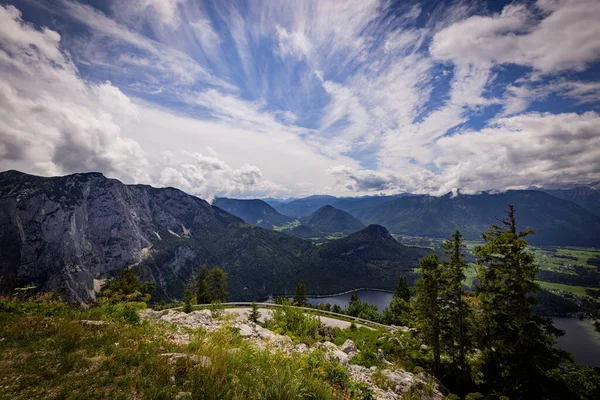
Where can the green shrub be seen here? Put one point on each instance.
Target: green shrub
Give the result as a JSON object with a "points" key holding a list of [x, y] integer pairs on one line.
{"points": [[295, 323]]}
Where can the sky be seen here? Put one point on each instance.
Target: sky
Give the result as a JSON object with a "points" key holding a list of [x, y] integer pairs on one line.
{"points": [[291, 98]]}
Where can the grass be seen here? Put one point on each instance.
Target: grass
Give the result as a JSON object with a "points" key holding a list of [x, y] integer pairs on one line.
{"points": [[576, 290], [290, 225], [46, 352]]}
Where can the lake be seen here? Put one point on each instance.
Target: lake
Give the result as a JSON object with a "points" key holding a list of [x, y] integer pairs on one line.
{"points": [[581, 339]]}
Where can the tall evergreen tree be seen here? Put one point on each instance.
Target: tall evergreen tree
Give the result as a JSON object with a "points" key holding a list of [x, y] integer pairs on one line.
{"points": [[402, 291], [202, 287], [427, 305], [217, 279], [396, 313], [254, 313], [300, 295], [456, 308], [188, 295], [517, 345]]}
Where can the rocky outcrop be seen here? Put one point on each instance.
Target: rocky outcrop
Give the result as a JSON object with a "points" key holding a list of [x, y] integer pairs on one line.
{"points": [[398, 382]]}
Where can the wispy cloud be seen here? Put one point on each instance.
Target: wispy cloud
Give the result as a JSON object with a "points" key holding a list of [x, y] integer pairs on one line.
{"points": [[358, 96]]}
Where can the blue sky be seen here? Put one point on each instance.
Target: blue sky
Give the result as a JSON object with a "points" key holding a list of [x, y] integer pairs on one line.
{"points": [[290, 98]]}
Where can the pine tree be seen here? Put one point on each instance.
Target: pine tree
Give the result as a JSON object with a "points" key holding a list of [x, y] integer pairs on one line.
{"points": [[456, 308], [396, 313], [516, 344], [402, 291], [427, 305], [254, 313], [217, 279], [202, 288], [300, 296], [187, 300]]}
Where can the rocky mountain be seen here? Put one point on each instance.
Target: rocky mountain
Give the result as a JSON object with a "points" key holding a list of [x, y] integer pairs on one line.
{"points": [[255, 212], [556, 221], [587, 197], [329, 219], [67, 234]]}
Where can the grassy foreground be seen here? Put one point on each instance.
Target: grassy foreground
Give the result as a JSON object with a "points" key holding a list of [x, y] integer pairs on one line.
{"points": [[47, 352]]}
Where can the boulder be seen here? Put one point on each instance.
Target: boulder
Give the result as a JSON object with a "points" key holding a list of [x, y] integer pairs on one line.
{"points": [[349, 347], [203, 361], [339, 356]]}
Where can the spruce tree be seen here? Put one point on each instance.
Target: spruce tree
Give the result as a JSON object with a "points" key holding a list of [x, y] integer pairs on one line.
{"points": [[427, 305], [187, 300], [202, 288], [300, 295], [396, 313], [516, 345], [456, 308], [402, 291], [254, 313], [217, 279]]}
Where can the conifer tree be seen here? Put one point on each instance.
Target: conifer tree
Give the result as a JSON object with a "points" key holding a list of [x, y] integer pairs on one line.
{"points": [[427, 305], [402, 291], [456, 308], [516, 345], [202, 288], [187, 300], [300, 295], [217, 279], [396, 313], [254, 313]]}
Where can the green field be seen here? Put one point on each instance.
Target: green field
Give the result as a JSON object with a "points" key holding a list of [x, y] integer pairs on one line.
{"points": [[288, 226], [576, 290]]}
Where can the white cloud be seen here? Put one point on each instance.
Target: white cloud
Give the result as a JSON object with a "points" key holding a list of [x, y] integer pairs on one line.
{"points": [[521, 151], [52, 122], [582, 92], [206, 176], [295, 43], [515, 36], [208, 38]]}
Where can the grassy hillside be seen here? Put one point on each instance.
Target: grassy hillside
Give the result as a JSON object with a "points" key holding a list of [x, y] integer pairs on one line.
{"points": [[46, 351]]}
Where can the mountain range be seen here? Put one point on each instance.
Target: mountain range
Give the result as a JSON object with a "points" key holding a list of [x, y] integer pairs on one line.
{"points": [[559, 217], [68, 234], [324, 221]]}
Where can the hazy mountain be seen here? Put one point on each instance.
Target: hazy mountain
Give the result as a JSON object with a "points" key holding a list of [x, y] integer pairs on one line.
{"points": [[305, 206], [329, 219], [556, 221], [255, 212], [586, 197], [67, 234], [308, 205]]}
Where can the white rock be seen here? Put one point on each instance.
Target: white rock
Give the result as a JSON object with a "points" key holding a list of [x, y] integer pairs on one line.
{"points": [[349, 347]]}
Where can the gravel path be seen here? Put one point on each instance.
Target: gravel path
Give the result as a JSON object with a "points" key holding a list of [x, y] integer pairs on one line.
{"points": [[265, 313]]}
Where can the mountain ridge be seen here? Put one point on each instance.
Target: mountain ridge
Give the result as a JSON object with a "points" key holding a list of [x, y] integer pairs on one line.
{"points": [[67, 234]]}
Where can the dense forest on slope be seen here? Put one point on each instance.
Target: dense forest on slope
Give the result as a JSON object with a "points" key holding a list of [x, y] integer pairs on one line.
{"points": [[329, 219]]}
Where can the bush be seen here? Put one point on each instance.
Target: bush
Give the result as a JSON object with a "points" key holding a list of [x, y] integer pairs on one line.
{"points": [[295, 323]]}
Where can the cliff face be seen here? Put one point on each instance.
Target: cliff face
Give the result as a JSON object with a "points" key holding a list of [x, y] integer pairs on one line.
{"points": [[64, 233]]}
